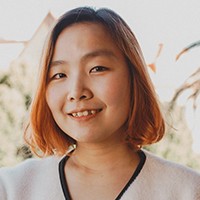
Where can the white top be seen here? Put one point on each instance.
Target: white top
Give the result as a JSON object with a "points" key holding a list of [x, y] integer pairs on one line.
{"points": [[38, 179]]}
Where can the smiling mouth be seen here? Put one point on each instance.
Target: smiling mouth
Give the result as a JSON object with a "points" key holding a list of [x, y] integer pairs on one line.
{"points": [[85, 113]]}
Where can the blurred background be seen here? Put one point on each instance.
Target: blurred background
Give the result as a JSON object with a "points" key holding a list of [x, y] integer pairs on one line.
{"points": [[169, 34]]}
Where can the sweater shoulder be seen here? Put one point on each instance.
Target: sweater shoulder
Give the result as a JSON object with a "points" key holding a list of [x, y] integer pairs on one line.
{"points": [[163, 179], [29, 166], [158, 164], [174, 178], [26, 176]]}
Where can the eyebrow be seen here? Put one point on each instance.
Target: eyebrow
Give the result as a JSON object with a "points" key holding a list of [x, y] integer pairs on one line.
{"points": [[99, 52], [96, 53], [57, 62]]}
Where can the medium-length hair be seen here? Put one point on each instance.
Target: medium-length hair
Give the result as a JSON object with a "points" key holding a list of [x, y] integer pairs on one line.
{"points": [[145, 124]]}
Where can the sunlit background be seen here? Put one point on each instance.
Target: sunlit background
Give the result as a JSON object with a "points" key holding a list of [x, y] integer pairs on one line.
{"points": [[162, 27]]}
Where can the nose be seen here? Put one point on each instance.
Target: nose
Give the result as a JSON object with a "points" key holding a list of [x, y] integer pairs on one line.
{"points": [[79, 90]]}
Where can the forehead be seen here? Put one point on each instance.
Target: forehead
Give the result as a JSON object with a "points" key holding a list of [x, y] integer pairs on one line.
{"points": [[80, 29], [86, 36]]}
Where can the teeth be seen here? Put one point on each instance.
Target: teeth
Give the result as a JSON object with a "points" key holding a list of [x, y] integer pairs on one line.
{"points": [[79, 114], [93, 111], [84, 113], [74, 114]]}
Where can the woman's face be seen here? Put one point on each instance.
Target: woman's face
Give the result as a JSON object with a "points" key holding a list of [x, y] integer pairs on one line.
{"points": [[88, 91]]}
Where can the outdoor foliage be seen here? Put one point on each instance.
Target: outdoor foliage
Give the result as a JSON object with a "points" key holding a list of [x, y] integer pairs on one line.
{"points": [[177, 142], [16, 86], [192, 83]]}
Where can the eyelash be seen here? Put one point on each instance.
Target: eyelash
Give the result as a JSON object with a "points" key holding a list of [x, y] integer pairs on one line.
{"points": [[98, 69], [61, 75]]}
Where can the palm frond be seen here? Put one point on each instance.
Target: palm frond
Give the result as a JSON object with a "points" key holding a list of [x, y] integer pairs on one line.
{"points": [[153, 64], [186, 49], [193, 83]]}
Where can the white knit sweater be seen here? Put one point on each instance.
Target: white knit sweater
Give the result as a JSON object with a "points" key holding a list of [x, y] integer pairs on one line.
{"points": [[159, 179]]}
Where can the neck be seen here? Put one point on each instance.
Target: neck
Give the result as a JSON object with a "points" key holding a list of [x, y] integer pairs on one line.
{"points": [[98, 157]]}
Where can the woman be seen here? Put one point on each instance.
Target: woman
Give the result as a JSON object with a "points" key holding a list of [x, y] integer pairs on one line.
{"points": [[95, 107]]}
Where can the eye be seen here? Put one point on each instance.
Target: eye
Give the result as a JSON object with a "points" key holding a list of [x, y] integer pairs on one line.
{"points": [[98, 69], [58, 76]]}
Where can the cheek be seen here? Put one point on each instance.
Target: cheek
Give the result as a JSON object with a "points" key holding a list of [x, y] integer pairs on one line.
{"points": [[52, 98], [116, 92]]}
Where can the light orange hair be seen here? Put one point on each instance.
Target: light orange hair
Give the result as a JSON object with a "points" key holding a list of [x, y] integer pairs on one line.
{"points": [[145, 124]]}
